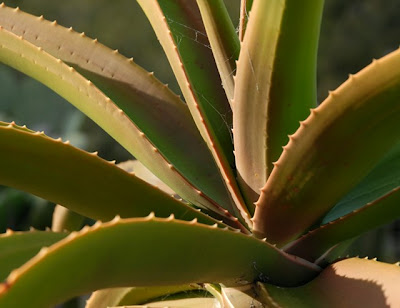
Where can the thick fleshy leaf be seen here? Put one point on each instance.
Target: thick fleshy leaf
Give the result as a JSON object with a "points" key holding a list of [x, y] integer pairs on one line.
{"points": [[158, 113], [312, 245], [180, 30], [16, 248], [333, 150], [381, 180], [148, 252], [82, 93], [134, 295], [245, 7], [275, 85], [81, 181], [345, 284], [223, 40]]}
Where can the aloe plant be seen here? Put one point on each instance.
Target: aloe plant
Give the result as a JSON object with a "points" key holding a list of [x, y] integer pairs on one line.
{"points": [[258, 189]]}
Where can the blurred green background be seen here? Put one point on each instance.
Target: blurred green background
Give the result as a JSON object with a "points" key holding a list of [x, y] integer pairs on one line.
{"points": [[353, 32]]}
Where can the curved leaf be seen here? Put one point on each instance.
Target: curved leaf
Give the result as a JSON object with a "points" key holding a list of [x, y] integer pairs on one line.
{"points": [[18, 247], [158, 113], [223, 40], [275, 85], [81, 181], [333, 150], [312, 245], [148, 252], [180, 30], [381, 180], [346, 284], [82, 93]]}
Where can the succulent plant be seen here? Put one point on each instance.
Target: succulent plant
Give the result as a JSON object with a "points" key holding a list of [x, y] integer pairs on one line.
{"points": [[264, 189]]}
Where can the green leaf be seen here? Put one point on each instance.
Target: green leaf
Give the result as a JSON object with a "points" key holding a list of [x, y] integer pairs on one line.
{"points": [[81, 181], [18, 247], [381, 180], [35, 62], [223, 39], [134, 295], [159, 114], [381, 211], [148, 252], [275, 85], [181, 32], [333, 150], [348, 283]]}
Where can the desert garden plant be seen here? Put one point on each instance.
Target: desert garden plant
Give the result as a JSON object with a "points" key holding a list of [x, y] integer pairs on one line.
{"points": [[273, 186]]}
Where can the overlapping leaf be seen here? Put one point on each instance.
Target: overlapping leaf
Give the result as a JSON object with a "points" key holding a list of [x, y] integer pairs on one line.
{"points": [[157, 112], [148, 252], [334, 149], [275, 85]]}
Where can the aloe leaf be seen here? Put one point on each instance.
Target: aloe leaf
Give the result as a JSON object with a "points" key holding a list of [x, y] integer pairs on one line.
{"points": [[159, 113], [81, 181], [333, 150], [275, 85], [245, 7], [139, 170], [312, 245], [348, 283], [16, 248], [174, 254], [381, 180], [66, 220], [134, 295], [35, 62], [223, 39], [180, 30]]}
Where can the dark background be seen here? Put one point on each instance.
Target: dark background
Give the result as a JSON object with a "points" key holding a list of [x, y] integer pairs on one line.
{"points": [[353, 32]]}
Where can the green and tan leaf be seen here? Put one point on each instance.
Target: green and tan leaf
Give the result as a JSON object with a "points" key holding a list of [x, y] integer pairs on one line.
{"points": [[66, 81], [346, 284], [151, 255], [333, 150], [81, 181], [180, 30], [155, 110], [274, 86]]}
